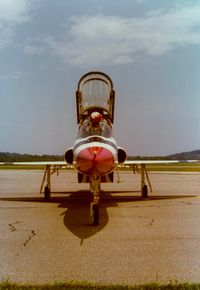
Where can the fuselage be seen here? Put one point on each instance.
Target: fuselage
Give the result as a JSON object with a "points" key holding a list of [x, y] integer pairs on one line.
{"points": [[95, 152], [95, 149]]}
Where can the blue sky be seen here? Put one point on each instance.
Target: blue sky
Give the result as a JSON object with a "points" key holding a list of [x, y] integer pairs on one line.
{"points": [[150, 49]]}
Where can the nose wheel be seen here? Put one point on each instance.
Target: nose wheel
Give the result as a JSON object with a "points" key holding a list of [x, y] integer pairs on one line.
{"points": [[95, 214], [94, 206]]}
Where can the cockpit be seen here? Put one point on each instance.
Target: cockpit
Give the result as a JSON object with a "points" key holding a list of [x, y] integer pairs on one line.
{"points": [[89, 128]]}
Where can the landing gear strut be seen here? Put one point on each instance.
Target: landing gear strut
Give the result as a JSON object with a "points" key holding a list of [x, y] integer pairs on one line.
{"points": [[94, 206], [47, 189], [144, 187]]}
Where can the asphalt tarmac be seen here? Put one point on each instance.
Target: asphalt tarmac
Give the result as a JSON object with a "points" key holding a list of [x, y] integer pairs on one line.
{"points": [[137, 241]]}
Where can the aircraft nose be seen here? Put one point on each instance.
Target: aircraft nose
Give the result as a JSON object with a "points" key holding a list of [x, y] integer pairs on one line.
{"points": [[95, 160]]}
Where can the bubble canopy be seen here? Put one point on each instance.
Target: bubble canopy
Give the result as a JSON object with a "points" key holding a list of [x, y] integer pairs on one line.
{"points": [[95, 92]]}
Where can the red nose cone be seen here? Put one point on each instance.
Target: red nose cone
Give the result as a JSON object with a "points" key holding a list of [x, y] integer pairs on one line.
{"points": [[95, 160]]}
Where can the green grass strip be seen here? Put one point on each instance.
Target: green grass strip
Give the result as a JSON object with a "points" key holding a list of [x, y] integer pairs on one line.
{"points": [[89, 286], [182, 167]]}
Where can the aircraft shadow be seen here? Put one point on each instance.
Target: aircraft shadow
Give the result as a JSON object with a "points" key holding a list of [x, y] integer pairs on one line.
{"points": [[77, 218], [76, 205]]}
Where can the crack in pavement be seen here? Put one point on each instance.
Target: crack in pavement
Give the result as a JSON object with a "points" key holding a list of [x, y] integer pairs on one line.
{"points": [[149, 220], [13, 228], [150, 223], [29, 238]]}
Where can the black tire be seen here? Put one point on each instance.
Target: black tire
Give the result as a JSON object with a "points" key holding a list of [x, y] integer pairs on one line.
{"points": [[145, 191], [46, 193], [95, 209]]}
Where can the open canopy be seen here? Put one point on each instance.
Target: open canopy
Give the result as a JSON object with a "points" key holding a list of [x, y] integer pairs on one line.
{"points": [[95, 92]]}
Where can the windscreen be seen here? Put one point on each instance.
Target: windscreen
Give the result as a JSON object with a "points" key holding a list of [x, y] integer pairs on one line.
{"points": [[88, 130]]}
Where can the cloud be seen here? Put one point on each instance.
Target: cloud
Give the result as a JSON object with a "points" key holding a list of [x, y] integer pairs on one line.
{"points": [[33, 49], [141, 1], [12, 13], [20, 74], [100, 39]]}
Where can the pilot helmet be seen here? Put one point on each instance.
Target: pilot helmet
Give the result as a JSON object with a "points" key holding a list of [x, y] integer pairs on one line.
{"points": [[96, 118]]}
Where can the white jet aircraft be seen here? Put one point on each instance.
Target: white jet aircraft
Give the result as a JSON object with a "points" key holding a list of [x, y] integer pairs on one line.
{"points": [[95, 153]]}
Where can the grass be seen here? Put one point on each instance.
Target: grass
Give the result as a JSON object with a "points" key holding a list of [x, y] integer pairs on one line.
{"points": [[182, 167], [89, 286], [26, 167], [21, 167], [177, 167]]}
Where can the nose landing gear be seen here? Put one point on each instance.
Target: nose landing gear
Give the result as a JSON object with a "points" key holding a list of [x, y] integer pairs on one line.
{"points": [[94, 206], [95, 214]]}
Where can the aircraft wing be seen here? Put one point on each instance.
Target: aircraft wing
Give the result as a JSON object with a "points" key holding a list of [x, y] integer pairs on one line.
{"points": [[135, 162], [127, 162], [53, 163]]}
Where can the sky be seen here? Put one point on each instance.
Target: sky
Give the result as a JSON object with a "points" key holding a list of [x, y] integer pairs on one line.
{"points": [[149, 48]]}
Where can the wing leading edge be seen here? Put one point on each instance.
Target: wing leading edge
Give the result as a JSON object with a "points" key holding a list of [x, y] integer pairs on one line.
{"points": [[53, 163]]}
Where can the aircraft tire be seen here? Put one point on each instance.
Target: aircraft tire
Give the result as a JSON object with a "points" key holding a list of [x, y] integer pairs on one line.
{"points": [[145, 191], [95, 215], [46, 193]]}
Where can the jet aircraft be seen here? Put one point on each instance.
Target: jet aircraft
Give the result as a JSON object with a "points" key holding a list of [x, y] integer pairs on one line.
{"points": [[95, 154]]}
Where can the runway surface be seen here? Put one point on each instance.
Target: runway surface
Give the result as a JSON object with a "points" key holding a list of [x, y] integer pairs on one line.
{"points": [[137, 241]]}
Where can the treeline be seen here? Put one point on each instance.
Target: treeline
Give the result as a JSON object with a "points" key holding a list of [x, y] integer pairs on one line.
{"points": [[191, 155], [148, 158], [16, 157]]}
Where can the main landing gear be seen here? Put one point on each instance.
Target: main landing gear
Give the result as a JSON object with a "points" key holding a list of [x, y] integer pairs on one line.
{"points": [[94, 206], [47, 193], [47, 180], [144, 176], [144, 191]]}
